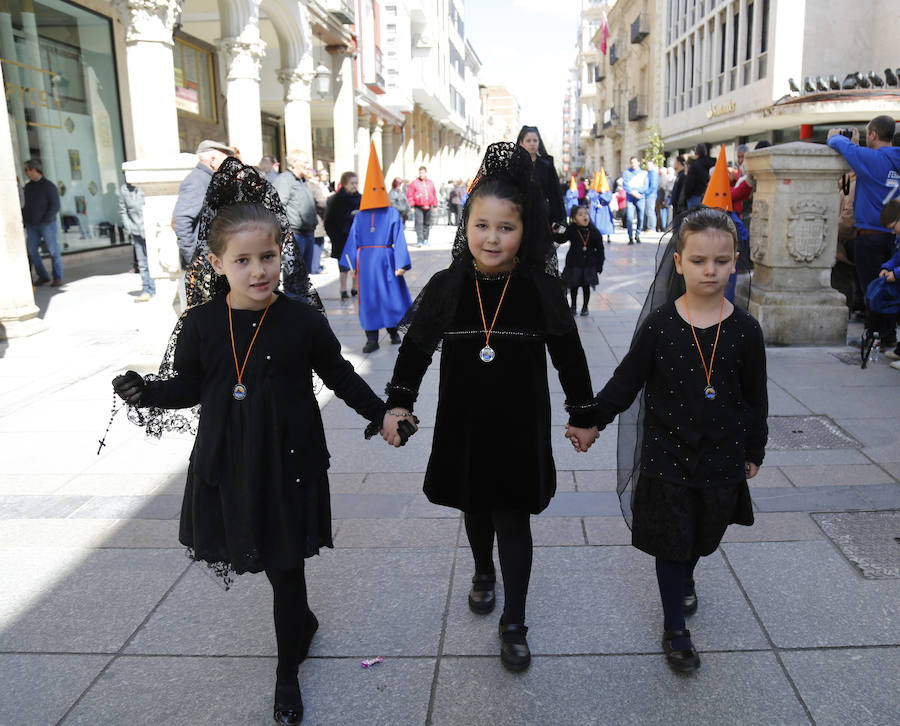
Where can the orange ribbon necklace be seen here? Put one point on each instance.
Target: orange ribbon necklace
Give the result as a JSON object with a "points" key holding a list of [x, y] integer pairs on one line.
{"points": [[709, 392], [487, 354], [240, 390]]}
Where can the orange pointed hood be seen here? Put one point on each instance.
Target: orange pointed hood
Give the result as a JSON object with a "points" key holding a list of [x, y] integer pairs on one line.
{"points": [[596, 185], [603, 184], [374, 193], [573, 185], [718, 191]]}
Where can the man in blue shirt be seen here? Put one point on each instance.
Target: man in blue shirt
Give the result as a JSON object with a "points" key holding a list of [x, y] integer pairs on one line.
{"points": [[877, 167], [650, 201], [634, 179]]}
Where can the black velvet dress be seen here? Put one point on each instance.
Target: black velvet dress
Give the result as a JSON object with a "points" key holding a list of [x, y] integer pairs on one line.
{"points": [[257, 494], [491, 447], [692, 483]]}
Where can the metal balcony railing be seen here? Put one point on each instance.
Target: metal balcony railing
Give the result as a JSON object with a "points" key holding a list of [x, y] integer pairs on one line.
{"points": [[342, 10]]}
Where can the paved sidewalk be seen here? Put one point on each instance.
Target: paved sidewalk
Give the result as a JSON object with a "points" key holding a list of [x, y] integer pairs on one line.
{"points": [[103, 620]]}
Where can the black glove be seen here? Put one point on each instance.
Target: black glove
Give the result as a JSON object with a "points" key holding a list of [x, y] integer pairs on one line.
{"points": [[130, 387], [406, 429]]}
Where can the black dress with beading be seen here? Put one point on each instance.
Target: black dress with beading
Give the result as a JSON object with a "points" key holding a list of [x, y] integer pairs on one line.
{"points": [[257, 494]]}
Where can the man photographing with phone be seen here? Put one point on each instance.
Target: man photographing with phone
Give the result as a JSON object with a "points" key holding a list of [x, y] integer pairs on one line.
{"points": [[877, 167]]}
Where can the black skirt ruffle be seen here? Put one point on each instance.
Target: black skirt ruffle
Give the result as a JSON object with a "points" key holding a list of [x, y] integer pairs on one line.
{"points": [[674, 522]]}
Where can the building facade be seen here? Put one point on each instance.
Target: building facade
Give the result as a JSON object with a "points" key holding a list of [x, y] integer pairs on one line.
{"points": [[501, 113], [729, 71], [91, 84]]}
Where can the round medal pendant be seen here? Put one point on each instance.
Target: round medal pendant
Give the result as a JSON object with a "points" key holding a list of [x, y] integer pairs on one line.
{"points": [[486, 354], [239, 392], [709, 392]]}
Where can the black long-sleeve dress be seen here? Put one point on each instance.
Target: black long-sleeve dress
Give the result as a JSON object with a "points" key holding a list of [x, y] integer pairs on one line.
{"points": [[545, 175], [257, 495], [692, 480], [339, 218], [491, 447], [585, 258]]}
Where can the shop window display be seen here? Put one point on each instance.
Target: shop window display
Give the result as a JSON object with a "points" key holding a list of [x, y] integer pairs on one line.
{"points": [[63, 105]]}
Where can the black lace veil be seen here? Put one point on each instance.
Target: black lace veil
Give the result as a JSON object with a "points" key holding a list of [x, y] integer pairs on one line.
{"points": [[667, 287], [233, 183], [432, 311]]}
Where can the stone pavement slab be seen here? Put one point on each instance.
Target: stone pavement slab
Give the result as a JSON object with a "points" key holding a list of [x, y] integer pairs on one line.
{"points": [[238, 691], [848, 686], [39, 689], [808, 596], [81, 601], [729, 688]]}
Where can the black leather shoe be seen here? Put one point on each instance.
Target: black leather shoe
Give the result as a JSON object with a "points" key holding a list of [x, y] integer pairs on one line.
{"points": [[584, 312], [370, 346], [683, 661], [396, 339], [312, 625], [689, 604], [482, 601], [288, 702], [514, 651], [288, 714]]}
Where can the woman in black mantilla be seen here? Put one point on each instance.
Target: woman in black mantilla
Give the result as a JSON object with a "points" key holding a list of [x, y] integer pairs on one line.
{"points": [[496, 311], [529, 138]]}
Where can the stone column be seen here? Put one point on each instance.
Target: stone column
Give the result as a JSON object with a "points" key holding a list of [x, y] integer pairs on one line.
{"points": [[297, 121], [151, 73], [18, 313], [242, 59], [344, 109], [793, 238]]}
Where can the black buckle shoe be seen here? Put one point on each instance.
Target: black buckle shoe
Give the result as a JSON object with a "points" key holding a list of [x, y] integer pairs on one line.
{"points": [[690, 602], [683, 661], [482, 601], [514, 652]]}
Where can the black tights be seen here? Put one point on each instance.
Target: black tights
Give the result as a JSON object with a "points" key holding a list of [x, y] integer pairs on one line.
{"points": [[672, 576], [513, 528], [291, 611], [586, 292]]}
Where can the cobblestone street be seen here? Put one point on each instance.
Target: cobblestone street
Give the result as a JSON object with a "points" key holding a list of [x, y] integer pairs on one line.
{"points": [[104, 621]]}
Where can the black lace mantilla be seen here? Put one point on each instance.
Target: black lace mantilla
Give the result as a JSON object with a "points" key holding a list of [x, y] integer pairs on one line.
{"points": [[431, 313], [233, 183]]}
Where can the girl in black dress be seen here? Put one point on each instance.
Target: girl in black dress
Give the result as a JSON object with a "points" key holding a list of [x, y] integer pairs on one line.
{"points": [[257, 496], [497, 309], [584, 260], [701, 363]]}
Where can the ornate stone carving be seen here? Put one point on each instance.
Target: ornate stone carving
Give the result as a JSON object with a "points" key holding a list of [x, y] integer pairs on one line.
{"points": [[297, 84], [243, 58], [149, 21], [759, 230], [807, 228]]}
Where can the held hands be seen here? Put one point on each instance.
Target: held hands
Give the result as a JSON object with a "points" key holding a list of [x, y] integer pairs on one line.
{"points": [[398, 425], [750, 469], [889, 274], [582, 439], [129, 387]]}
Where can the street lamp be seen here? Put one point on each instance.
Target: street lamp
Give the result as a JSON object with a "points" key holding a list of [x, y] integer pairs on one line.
{"points": [[322, 80]]}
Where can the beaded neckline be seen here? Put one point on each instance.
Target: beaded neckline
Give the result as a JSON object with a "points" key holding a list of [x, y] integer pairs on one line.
{"points": [[493, 275]]}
